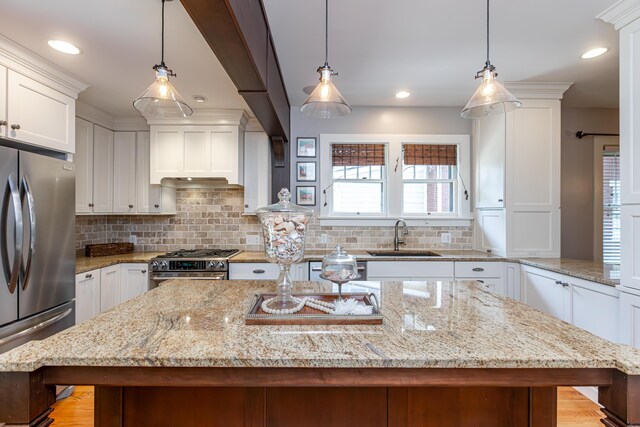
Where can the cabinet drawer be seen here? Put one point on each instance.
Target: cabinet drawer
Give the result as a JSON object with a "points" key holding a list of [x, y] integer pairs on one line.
{"points": [[478, 269], [253, 271], [422, 269]]}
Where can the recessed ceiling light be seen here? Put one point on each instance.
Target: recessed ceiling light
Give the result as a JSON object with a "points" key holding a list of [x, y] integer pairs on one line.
{"points": [[595, 52], [402, 94], [199, 98], [64, 47]]}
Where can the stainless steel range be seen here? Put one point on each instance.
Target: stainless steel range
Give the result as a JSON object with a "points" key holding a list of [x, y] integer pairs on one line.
{"points": [[194, 264]]}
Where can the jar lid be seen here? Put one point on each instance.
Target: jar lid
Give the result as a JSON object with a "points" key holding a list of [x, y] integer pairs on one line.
{"points": [[285, 205], [338, 256]]}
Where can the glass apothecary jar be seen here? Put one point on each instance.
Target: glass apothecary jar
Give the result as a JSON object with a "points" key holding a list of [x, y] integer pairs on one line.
{"points": [[284, 226], [339, 267]]}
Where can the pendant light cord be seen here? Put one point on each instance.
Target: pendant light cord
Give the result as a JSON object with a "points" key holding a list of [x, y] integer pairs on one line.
{"points": [[326, 33], [162, 53], [488, 63]]}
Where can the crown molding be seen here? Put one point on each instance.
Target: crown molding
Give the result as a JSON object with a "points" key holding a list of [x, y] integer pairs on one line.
{"points": [[24, 61], [538, 90], [206, 116], [621, 13], [253, 125]]}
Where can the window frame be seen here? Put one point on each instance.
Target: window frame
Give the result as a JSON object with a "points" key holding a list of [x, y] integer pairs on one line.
{"points": [[393, 185]]}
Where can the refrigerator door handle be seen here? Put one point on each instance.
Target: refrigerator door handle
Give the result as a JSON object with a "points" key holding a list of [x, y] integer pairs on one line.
{"points": [[12, 194], [25, 268], [35, 328]]}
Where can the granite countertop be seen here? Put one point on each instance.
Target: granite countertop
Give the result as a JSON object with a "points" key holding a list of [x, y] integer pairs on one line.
{"points": [[587, 270], [426, 325], [84, 264]]}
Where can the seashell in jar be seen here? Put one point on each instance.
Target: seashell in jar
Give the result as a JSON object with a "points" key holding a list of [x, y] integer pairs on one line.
{"points": [[300, 227], [278, 219]]}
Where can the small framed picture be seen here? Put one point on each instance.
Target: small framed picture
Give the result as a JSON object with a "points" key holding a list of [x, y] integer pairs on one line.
{"points": [[306, 196], [306, 171], [306, 147]]}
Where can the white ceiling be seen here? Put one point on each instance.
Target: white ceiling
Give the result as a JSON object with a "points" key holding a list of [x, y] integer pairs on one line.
{"points": [[433, 48], [120, 42]]}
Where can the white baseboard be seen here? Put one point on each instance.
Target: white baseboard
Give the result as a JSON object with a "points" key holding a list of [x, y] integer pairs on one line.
{"points": [[589, 392]]}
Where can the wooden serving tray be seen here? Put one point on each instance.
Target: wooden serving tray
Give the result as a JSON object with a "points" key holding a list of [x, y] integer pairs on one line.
{"points": [[311, 316]]}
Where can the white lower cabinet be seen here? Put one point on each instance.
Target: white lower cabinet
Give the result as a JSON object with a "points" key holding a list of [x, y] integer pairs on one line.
{"points": [[489, 274], [591, 306], [630, 318], [546, 291], [101, 289], [110, 288], [135, 281], [253, 271], [87, 295]]}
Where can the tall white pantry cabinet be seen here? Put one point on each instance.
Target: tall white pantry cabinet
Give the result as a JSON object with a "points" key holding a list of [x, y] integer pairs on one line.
{"points": [[625, 16], [517, 175]]}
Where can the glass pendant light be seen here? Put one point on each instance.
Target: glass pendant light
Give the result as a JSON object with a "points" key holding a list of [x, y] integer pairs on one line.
{"points": [[326, 102], [490, 97], [161, 99]]}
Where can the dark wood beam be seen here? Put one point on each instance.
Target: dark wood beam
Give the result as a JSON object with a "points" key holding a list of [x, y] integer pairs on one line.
{"points": [[238, 33]]}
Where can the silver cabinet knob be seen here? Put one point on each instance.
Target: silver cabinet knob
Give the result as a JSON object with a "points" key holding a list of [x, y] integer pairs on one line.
{"points": [[143, 271], [558, 282], [88, 276], [246, 206], [3, 122], [15, 127], [500, 200], [565, 284], [130, 206], [156, 206], [91, 205]]}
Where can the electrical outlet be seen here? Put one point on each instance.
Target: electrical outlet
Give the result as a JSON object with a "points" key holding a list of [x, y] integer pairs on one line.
{"points": [[133, 239], [253, 239], [323, 238], [445, 237]]}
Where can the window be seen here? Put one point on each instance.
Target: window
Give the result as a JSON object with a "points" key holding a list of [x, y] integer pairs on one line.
{"points": [[429, 177], [611, 205], [379, 178], [359, 177]]}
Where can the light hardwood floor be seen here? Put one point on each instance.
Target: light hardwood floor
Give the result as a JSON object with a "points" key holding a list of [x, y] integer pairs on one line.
{"points": [[574, 410]]}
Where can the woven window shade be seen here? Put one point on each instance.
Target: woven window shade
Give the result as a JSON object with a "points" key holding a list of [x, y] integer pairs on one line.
{"points": [[430, 154], [357, 154]]}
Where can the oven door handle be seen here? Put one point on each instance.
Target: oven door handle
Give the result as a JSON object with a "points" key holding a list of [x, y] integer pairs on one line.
{"points": [[212, 277]]}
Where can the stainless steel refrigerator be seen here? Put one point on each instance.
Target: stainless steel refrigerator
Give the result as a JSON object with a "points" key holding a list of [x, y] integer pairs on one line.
{"points": [[37, 227]]}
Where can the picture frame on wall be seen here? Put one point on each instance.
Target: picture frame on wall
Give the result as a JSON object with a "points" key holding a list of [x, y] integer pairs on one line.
{"points": [[306, 196], [306, 171], [306, 147]]}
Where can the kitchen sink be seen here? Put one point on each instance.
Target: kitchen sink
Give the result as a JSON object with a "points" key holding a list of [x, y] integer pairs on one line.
{"points": [[404, 253]]}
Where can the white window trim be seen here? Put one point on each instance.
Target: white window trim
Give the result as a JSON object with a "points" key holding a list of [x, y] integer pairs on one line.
{"points": [[393, 187], [599, 142]]}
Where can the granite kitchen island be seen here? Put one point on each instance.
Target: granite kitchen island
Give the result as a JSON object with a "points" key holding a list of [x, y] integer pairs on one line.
{"points": [[447, 354]]}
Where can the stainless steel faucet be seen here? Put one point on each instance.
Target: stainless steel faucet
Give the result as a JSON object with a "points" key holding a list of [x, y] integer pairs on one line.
{"points": [[397, 241]]}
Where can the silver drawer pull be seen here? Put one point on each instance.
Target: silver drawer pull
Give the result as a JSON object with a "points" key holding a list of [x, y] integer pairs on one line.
{"points": [[481, 281], [143, 271], [478, 269], [361, 268], [258, 271], [558, 282], [88, 276], [316, 268]]}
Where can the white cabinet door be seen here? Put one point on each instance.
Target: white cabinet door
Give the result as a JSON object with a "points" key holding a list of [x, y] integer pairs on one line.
{"points": [[489, 231], [588, 298], [110, 287], [511, 278], [489, 143], [257, 171], [143, 190], [253, 271], [545, 291], [40, 115], [135, 281], [102, 170], [124, 172], [84, 166], [630, 319], [3, 102], [87, 295]]}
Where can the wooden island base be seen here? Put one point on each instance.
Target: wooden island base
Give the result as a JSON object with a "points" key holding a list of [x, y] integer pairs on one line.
{"points": [[284, 397]]}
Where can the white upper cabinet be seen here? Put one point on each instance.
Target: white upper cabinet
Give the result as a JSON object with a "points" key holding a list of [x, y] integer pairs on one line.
{"points": [[257, 171], [198, 152], [124, 172], [102, 170], [84, 166], [517, 188], [489, 144], [37, 99], [39, 115]]}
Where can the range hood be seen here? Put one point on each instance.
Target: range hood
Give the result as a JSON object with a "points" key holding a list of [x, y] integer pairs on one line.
{"points": [[206, 149]]}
